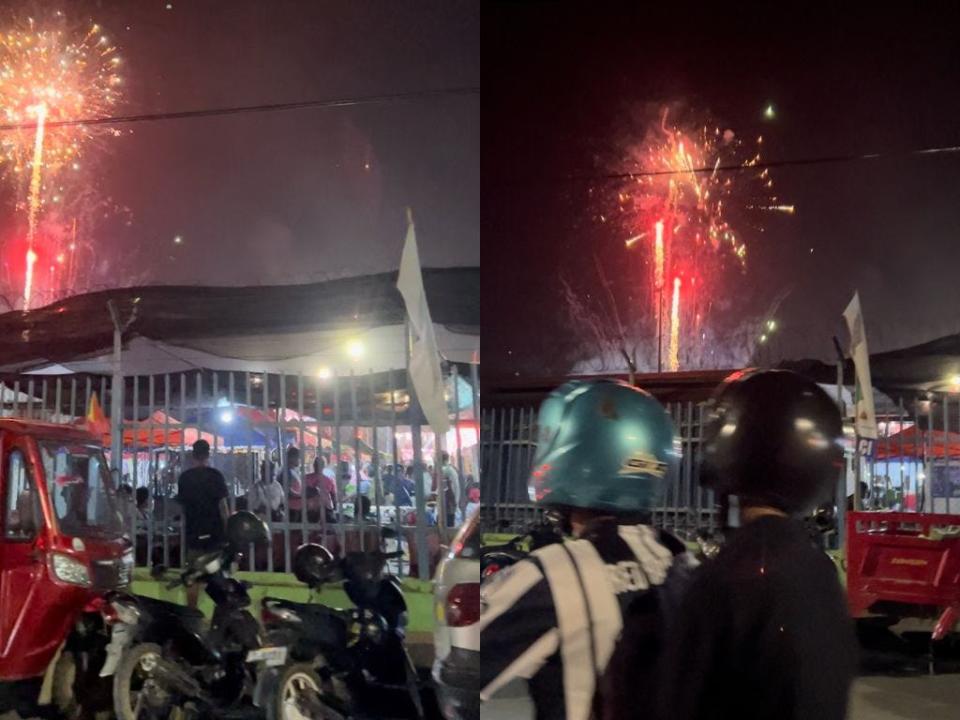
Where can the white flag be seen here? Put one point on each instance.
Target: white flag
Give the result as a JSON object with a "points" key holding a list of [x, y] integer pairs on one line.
{"points": [[866, 419], [424, 355]]}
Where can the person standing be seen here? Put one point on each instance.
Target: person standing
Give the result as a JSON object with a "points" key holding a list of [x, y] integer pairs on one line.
{"points": [[321, 487], [763, 632], [605, 452], [202, 493], [451, 488]]}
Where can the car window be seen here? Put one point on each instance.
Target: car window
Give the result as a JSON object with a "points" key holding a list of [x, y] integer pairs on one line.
{"points": [[22, 517]]}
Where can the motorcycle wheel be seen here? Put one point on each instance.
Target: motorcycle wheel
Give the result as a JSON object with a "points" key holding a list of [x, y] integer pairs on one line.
{"points": [[136, 696], [66, 682], [297, 684]]}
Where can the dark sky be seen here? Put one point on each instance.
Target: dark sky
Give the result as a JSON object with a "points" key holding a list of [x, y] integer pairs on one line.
{"points": [[293, 196], [559, 80]]}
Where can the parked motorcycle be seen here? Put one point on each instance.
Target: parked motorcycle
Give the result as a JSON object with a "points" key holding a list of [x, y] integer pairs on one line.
{"points": [[341, 664], [165, 664], [497, 557]]}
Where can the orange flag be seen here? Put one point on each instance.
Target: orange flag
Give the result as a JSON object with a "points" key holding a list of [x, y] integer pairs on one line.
{"points": [[96, 422]]}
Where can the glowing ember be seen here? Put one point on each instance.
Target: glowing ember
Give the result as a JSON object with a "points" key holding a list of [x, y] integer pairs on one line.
{"points": [[658, 256], [674, 356], [71, 77], [699, 186], [50, 75]]}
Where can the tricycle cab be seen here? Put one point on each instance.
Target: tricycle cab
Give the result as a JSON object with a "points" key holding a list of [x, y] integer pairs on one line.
{"points": [[61, 539]]}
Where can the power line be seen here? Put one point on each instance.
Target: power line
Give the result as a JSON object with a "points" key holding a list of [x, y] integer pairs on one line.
{"points": [[822, 160], [245, 109]]}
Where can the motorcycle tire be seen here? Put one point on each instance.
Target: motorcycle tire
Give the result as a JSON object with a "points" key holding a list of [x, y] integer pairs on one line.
{"points": [[294, 680], [125, 704]]}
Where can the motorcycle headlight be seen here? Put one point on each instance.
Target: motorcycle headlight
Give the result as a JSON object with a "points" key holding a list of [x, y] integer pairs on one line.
{"points": [[70, 570], [373, 632]]}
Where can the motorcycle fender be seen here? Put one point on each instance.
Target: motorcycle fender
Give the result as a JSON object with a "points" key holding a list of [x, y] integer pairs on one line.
{"points": [[46, 689], [120, 636], [266, 686]]}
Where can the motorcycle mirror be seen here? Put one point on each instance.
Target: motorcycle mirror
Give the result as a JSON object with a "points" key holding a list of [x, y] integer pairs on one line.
{"points": [[825, 518]]}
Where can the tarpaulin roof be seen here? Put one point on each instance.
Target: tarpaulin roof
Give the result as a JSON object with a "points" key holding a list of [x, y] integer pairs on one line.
{"points": [[243, 324], [916, 443], [899, 373], [161, 431]]}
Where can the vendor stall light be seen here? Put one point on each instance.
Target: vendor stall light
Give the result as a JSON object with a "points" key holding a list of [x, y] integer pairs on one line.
{"points": [[177, 239], [955, 381], [763, 338], [771, 325], [355, 349], [226, 416], [324, 373]]}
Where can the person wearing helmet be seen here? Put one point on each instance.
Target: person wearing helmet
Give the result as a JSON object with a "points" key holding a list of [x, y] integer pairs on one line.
{"points": [[202, 493], [763, 631], [605, 451]]}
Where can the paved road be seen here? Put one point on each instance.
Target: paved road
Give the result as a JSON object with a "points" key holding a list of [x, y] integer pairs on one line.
{"points": [[874, 698]]}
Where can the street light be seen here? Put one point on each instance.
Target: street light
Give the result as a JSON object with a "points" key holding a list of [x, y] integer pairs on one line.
{"points": [[355, 349]]}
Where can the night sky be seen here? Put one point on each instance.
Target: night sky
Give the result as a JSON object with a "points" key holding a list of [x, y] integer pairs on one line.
{"points": [[560, 80], [292, 196]]}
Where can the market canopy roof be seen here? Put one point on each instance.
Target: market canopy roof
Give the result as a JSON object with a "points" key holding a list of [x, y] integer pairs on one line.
{"points": [[912, 443], [906, 373], [289, 328]]}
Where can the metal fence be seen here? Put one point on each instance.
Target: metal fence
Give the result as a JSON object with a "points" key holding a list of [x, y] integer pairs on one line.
{"points": [[914, 465], [507, 447], [360, 427]]}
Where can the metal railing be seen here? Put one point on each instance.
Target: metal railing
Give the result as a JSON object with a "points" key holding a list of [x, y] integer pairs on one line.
{"points": [[362, 427], [507, 448], [914, 465]]}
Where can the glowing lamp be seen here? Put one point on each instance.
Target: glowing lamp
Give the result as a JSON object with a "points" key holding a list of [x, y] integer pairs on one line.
{"points": [[355, 349]]}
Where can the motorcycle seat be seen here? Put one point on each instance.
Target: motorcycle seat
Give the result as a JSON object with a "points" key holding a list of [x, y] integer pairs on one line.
{"points": [[306, 607], [157, 607]]}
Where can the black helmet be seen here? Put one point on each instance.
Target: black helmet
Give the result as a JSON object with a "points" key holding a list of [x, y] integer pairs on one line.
{"points": [[313, 564], [773, 438], [243, 528]]}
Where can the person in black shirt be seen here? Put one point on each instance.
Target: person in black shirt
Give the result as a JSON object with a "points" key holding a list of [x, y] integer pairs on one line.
{"points": [[763, 632], [202, 493]]}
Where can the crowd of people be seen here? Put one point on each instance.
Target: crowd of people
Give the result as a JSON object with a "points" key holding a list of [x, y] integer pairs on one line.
{"points": [[327, 489], [332, 486]]}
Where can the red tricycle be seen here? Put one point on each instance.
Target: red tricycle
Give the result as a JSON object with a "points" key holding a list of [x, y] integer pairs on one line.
{"points": [[61, 550], [905, 564]]}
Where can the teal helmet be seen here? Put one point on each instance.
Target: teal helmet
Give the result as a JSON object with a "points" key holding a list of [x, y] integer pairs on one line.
{"points": [[603, 445]]}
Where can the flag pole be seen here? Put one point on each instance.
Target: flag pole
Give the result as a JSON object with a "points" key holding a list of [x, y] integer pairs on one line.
{"points": [[116, 393], [420, 536]]}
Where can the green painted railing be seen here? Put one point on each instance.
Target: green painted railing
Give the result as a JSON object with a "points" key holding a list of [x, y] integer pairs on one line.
{"points": [[418, 593]]}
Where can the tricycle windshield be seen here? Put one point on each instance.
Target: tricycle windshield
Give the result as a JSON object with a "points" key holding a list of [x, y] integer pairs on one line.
{"points": [[81, 491]]}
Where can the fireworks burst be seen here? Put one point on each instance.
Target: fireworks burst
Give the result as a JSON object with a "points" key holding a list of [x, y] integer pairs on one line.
{"points": [[50, 75], [690, 190], [44, 68]]}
